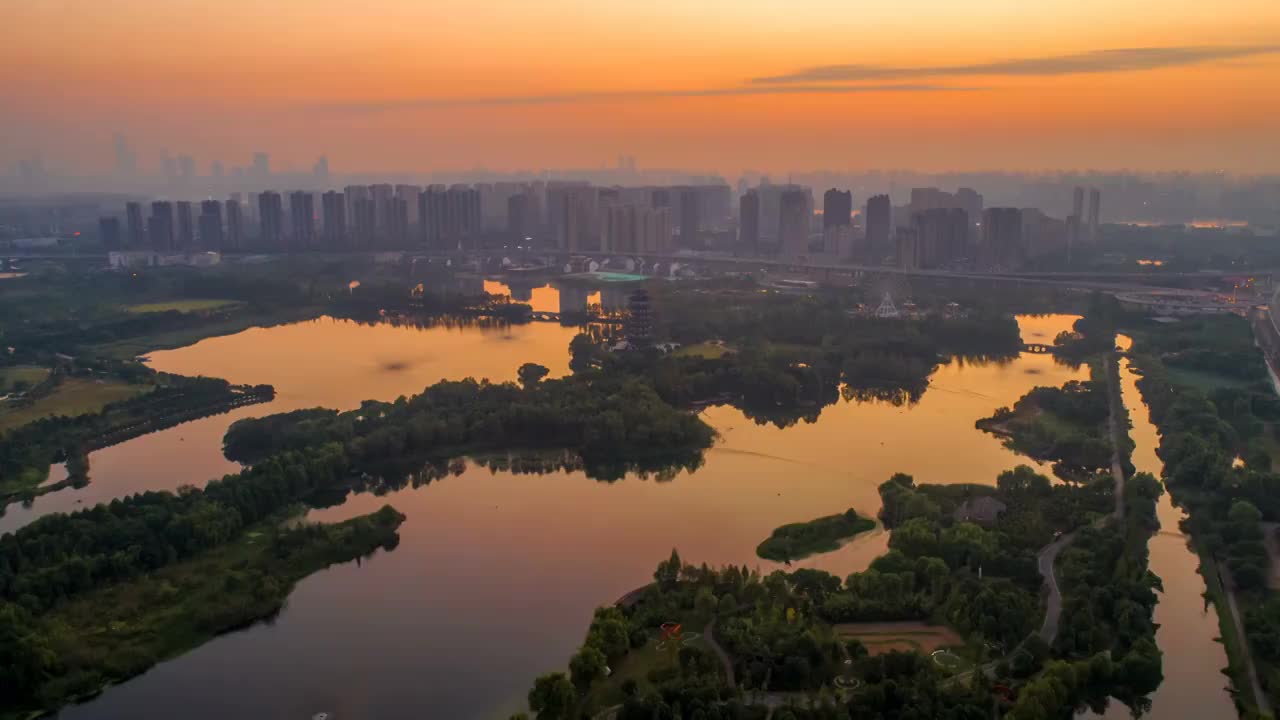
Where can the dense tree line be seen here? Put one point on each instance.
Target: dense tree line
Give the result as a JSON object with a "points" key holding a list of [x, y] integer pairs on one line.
{"points": [[602, 418], [59, 556], [1108, 601], [1226, 501]]}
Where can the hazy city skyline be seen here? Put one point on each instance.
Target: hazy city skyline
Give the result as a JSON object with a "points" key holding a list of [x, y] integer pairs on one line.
{"points": [[396, 86]]}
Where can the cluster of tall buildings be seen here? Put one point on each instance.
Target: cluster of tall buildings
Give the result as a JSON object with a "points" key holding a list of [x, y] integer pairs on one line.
{"points": [[935, 230], [572, 216]]}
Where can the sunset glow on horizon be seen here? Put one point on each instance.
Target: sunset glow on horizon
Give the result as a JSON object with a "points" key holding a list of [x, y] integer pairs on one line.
{"points": [[771, 85]]}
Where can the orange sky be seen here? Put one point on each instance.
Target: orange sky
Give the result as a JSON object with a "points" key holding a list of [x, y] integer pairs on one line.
{"points": [[505, 84]]}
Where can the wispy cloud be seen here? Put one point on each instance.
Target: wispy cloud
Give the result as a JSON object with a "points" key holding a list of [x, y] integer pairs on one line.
{"points": [[1096, 61], [618, 95]]}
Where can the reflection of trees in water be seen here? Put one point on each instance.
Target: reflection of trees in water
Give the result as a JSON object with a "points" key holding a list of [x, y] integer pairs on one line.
{"points": [[428, 322], [896, 396], [856, 387], [980, 360], [416, 472]]}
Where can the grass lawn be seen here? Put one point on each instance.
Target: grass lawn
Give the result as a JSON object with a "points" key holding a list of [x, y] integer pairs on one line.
{"points": [[639, 662], [75, 396], [184, 306], [635, 665], [31, 374], [135, 346], [706, 350], [1207, 382]]}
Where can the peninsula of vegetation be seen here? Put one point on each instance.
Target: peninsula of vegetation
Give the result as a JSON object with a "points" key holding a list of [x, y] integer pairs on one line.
{"points": [[728, 643], [825, 534], [27, 452], [99, 595]]}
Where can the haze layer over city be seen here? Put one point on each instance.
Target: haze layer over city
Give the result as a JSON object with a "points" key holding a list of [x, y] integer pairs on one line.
{"points": [[750, 360]]}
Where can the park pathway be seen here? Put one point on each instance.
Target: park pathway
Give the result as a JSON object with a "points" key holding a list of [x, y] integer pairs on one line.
{"points": [[1228, 588], [1047, 558], [1117, 421], [1053, 605], [709, 633]]}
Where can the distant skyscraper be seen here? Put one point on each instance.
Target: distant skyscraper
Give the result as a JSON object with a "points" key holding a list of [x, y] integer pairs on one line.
{"points": [[126, 158], [1002, 241], [352, 194], [461, 217], [160, 226], [908, 251], [1095, 211], [410, 195], [931, 198], [186, 238], [320, 172], [261, 168], [971, 202], [186, 170], [333, 206], [109, 232], [793, 223], [661, 197], [431, 216], [654, 232], [575, 217], [619, 229], [302, 214], [1073, 235], [636, 228], [837, 241], [210, 225], [1041, 234], [941, 236], [271, 221], [235, 225], [749, 222], [381, 194], [690, 217], [397, 233], [879, 220], [216, 170], [837, 208], [521, 216], [168, 168], [1076, 221], [770, 208], [137, 229], [366, 220]]}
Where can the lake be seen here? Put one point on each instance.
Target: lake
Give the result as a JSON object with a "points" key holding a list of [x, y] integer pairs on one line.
{"points": [[496, 574]]}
